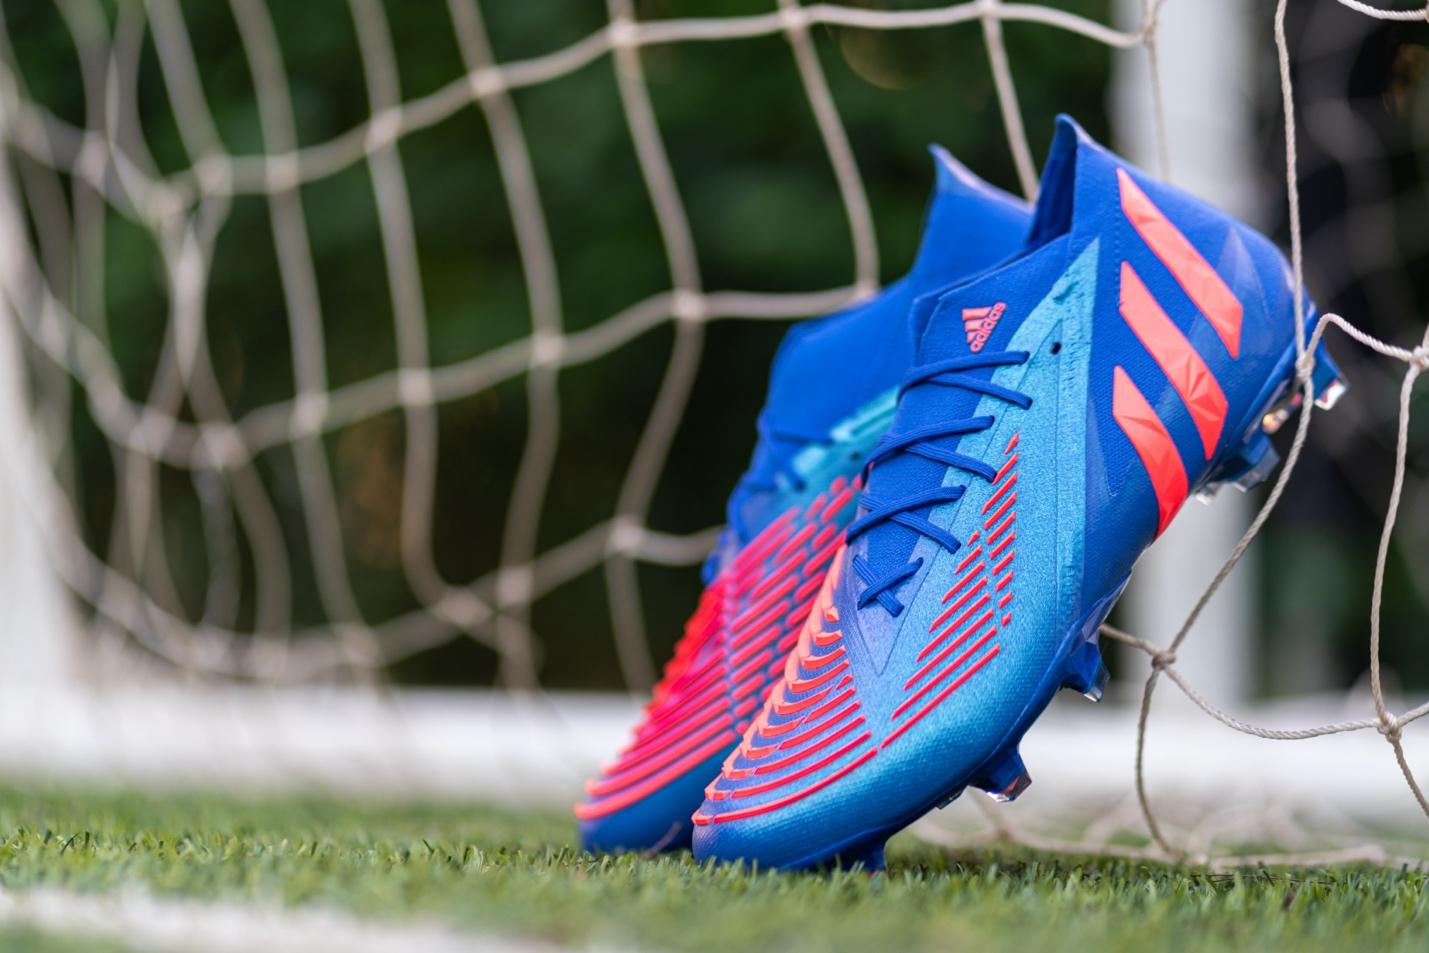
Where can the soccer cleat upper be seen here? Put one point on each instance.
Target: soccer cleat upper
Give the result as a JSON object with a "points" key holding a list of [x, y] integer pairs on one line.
{"points": [[1138, 341], [831, 397]]}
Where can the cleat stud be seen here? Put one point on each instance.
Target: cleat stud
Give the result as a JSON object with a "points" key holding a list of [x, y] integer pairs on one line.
{"points": [[1013, 790], [1086, 674], [1330, 395], [1006, 778], [1094, 692], [1247, 469], [1326, 381], [1262, 460], [950, 798]]}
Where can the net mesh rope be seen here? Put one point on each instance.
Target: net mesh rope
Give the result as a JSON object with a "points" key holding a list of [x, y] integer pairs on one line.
{"points": [[184, 213]]}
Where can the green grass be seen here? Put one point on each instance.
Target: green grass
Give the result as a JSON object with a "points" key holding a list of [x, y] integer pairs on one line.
{"points": [[29, 940], [521, 872]]}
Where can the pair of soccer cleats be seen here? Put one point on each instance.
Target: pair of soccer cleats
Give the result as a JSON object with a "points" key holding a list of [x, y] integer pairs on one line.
{"points": [[951, 486]]}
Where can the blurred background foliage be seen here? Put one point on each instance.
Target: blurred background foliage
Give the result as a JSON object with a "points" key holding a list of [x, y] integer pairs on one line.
{"points": [[766, 216], [1362, 94]]}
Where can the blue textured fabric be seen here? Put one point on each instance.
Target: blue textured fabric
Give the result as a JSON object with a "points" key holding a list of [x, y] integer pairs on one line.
{"points": [[831, 397], [947, 625]]}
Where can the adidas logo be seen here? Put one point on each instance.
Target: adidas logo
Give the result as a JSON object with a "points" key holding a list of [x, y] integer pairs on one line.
{"points": [[979, 322]]}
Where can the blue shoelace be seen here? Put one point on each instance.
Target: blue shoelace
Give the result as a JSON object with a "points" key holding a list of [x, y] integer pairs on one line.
{"points": [[925, 442]]}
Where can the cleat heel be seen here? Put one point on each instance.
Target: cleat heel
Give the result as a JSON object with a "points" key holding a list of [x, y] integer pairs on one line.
{"points": [[1257, 458], [1086, 672], [1005, 777]]}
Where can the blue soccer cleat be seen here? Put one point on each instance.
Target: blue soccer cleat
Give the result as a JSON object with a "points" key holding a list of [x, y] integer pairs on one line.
{"points": [[831, 397], [1062, 408]]}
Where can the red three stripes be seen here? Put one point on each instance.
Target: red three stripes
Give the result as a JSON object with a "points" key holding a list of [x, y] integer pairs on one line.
{"points": [[1200, 281], [1153, 445], [1183, 365]]}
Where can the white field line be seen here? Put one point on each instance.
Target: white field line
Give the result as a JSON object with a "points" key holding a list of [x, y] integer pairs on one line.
{"points": [[143, 922], [537, 750]]}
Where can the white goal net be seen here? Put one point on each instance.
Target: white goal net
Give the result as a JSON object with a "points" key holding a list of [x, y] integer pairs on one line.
{"points": [[207, 524]]}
